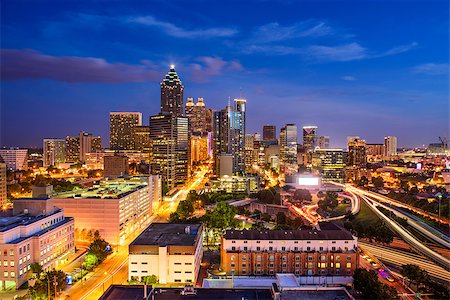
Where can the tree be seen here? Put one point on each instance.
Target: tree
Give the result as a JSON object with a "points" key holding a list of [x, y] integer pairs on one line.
{"points": [[36, 268], [363, 181], [378, 182], [415, 274], [152, 279], [367, 283], [302, 194], [185, 209], [281, 219], [97, 235], [98, 248]]}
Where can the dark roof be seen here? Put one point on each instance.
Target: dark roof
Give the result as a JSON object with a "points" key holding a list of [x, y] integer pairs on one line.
{"points": [[7, 223], [328, 231], [168, 234], [125, 292]]}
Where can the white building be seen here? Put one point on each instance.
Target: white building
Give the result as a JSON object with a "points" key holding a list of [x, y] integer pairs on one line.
{"points": [[390, 146], [37, 233], [172, 252], [15, 158], [54, 151]]}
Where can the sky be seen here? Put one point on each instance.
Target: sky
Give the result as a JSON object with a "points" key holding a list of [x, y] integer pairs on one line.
{"points": [[366, 68]]}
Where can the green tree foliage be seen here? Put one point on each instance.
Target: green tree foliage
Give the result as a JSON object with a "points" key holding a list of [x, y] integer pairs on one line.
{"points": [[40, 289], [367, 283], [302, 194], [363, 181], [329, 202], [152, 279], [424, 283], [98, 248], [378, 182], [270, 196], [415, 274]]}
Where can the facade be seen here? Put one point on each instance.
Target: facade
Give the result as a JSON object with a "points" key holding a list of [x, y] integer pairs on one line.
{"points": [[115, 166], [169, 141], [172, 94], [271, 209], [329, 163], [38, 232], [3, 191], [329, 251], [323, 142], [229, 136], [54, 152], [199, 149], [390, 146], [89, 143], [375, 152], [310, 137], [288, 148], [356, 156], [72, 149], [269, 133], [200, 117], [14, 158], [172, 252], [121, 126], [141, 137], [95, 160], [115, 208], [235, 184]]}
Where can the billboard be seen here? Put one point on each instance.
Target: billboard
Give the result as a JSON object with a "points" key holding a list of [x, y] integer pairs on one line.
{"points": [[308, 181]]}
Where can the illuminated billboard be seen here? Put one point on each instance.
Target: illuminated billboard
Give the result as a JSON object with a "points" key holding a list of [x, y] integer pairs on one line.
{"points": [[308, 181]]}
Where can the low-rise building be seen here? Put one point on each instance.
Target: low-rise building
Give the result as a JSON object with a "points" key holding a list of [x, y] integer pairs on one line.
{"points": [[14, 158], [235, 184], [38, 232], [171, 252], [331, 250], [113, 207], [115, 166]]}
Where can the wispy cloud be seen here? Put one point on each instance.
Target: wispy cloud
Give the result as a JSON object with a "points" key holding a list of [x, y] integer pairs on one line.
{"points": [[29, 64], [431, 69], [176, 31], [348, 78], [397, 50], [208, 66], [347, 52]]}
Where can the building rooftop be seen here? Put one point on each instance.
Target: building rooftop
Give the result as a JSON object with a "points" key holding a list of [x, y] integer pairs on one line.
{"points": [[107, 189], [167, 234], [328, 231], [7, 223]]}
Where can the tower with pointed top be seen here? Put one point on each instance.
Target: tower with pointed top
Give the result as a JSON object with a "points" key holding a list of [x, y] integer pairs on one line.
{"points": [[172, 91]]}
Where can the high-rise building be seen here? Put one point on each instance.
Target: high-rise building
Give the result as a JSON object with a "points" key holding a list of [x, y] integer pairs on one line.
{"points": [[390, 146], [351, 138], [72, 148], [3, 191], [288, 147], [141, 136], [269, 133], [198, 151], [374, 152], [323, 142], [310, 137], [78, 146], [172, 91], [200, 117], [54, 151], [169, 140], [14, 158], [356, 156], [121, 126], [229, 136], [330, 164]]}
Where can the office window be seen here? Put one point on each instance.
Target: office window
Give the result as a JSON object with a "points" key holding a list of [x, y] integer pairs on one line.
{"points": [[308, 248], [233, 265], [349, 258], [188, 264], [233, 248], [244, 265], [5, 274], [258, 258], [284, 258], [177, 280], [297, 265], [11, 263], [233, 242], [283, 248], [295, 248], [284, 265], [177, 264], [177, 272], [271, 257], [338, 265], [258, 242], [11, 252], [5, 263], [232, 257], [320, 248], [188, 272], [271, 265], [244, 258], [258, 248], [145, 263], [349, 265], [245, 248], [270, 242], [144, 271], [245, 242], [270, 248]]}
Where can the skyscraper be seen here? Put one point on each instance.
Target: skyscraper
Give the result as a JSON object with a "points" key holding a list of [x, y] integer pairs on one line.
{"points": [[310, 137], [3, 193], [229, 135], [121, 129], [269, 133], [288, 148], [54, 151], [72, 149], [390, 146], [89, 143], [172, 91], [169, 139], [356, 156], [200, 117], [323, 142], [330, 164], [141, 137]]}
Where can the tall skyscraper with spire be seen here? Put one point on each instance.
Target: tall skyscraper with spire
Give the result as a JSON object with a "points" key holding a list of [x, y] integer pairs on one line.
{"points": [[172, 92]]}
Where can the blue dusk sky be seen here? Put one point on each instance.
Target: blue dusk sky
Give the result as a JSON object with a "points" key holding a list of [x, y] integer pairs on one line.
{"points": [[367, 68]]}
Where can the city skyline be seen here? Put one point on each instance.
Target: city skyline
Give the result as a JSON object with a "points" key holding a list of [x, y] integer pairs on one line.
{"points": [[351, 78]]}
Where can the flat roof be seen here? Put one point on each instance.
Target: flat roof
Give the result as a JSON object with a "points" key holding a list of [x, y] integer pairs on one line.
{"points": [[328, 231], [107, 189], [7, 223], [168, 234]]}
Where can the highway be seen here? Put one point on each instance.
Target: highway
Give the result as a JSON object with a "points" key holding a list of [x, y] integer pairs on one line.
{"points": [[115, 268], [399, 258]]}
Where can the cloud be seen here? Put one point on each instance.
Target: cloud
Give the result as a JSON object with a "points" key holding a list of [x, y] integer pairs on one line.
{"points": [[31, 64], [431, 69], [397, 50], [208, 67], [175, 31], [273, 32], [348, 78], [347, 52], [270, 49]]}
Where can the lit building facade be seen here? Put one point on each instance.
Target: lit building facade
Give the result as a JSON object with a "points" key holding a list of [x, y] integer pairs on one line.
{"points": [[235, 184], [141, 137], [329, 251], [171, 252], [115, 166], [54, 152], [15, 158], [323, 142], [3, 190], [288, 148], [269, 133], [169, 140], [310, 137], [115, 208], [229, 135], [38, 232], [375, 152], [72, 149], [390, 146], [121, 126], [172, 91], [329, 163], [356, 156], [199, 149], [200, 117]]}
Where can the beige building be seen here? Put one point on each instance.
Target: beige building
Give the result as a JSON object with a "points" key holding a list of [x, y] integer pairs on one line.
{"points": [[113, 207], [172, 252], [38, 232], [3, 191], [331, 250], [199, 149], [14, 158]]}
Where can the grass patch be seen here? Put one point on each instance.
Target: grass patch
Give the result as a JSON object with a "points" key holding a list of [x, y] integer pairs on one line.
{"points": [[366, 215]]}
